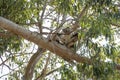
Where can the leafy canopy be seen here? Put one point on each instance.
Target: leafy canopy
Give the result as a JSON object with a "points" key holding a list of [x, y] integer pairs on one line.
{"points": [[99, 23]]}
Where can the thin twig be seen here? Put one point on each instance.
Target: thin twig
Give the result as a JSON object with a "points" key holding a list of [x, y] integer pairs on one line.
{"points": [[13, 70], [76, 24], [52, 71], [41, 18], [43, 73], [4, 61]]}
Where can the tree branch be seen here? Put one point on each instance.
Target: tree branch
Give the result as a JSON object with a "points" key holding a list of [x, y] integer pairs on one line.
{"points": [[76, 24], [43, 73], [31, 64], [52, 46]]}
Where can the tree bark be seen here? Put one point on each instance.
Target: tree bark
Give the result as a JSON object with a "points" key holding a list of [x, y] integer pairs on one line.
{"points": [[31, 64]]}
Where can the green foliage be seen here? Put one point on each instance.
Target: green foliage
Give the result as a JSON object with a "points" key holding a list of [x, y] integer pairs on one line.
{"points": [[99, 5], [12, 43], [68, 73]]}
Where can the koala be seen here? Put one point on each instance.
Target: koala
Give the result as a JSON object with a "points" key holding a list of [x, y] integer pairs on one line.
{"points": [[73, 40], [67, 38]]}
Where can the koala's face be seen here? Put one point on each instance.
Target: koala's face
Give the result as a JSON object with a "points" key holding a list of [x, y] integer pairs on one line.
{"points": [[67, 30]]}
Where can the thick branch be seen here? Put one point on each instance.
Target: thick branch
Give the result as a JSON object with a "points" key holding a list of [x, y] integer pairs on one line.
{"points": [[40, 41], [43, 42], [31, 64]]}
